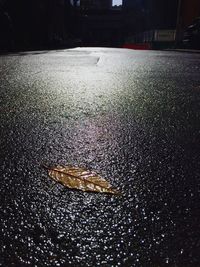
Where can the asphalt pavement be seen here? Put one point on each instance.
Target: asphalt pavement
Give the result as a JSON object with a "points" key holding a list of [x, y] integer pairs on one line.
{"points": [[131, 116]]}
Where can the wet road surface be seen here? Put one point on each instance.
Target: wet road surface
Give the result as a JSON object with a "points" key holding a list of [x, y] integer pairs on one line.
{"points": [[134, 117]]}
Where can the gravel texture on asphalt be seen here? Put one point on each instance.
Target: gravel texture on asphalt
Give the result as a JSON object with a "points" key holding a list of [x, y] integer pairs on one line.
{"points": [[131, 116]]}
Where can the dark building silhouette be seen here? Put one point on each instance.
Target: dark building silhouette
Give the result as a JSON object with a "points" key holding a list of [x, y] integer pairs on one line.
{"points": [[161, 14], [102, 29], [142, 15], [150, 21], [189, 9], [129, 4], [41, 24], [96, 4], [188, 19], [100, 24], [38, 23]]}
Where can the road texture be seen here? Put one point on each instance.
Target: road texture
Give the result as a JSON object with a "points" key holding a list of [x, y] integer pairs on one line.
{"points": [[132, 116]]}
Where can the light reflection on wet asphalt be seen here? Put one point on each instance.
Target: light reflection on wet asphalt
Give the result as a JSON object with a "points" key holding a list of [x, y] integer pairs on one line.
{"points": [[131, 116]]}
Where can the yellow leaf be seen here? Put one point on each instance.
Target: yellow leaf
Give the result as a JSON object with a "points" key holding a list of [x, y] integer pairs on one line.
{"points": [[81, 179]]}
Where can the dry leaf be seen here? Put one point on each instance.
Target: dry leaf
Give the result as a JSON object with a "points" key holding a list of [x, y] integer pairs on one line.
{"points": [[81, 179]]}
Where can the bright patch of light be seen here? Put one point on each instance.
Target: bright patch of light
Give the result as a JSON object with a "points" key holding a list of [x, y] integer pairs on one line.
{"points": [[117, 2]]}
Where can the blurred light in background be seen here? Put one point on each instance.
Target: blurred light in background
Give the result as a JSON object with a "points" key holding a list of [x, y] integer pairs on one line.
{"points": [[117, 2]]}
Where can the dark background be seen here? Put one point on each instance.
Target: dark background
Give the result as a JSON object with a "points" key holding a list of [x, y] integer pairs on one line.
{"points": [[39, 24]]}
